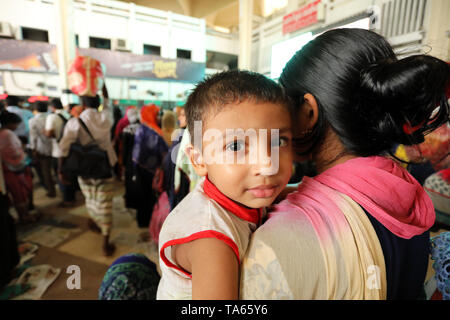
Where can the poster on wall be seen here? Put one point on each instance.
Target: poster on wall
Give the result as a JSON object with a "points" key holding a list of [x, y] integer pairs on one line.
{"points": [[33, 56], [129, 65]]}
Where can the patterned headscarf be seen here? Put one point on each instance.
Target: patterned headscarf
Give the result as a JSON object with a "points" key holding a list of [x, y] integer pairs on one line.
{"points": [[130, 277]]}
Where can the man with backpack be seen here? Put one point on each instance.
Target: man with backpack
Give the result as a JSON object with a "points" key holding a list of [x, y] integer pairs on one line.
{"points": [[54, 128], [87, 152]]}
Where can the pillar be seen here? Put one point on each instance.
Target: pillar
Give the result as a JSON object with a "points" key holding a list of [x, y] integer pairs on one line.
{"points": [[66, 42], [245, 33]]}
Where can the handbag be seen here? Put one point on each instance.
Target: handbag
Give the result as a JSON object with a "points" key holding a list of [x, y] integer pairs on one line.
{"points": [[87, 161]]}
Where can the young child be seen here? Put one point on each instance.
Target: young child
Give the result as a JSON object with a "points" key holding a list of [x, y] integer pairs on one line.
{"points": [[204, 238]]}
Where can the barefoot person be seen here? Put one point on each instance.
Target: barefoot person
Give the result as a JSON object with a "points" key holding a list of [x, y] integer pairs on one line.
{"points": [[97, 192]]}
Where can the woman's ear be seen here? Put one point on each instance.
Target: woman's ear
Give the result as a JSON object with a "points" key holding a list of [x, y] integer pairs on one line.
{"points": [[310, 110], [196, 160]]}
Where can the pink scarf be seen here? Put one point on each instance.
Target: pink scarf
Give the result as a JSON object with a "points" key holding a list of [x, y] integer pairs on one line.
{"points": [[386, 191]]}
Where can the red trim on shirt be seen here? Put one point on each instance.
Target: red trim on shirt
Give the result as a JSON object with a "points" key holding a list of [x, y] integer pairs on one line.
{"points": [[247, 214], [195, 236]]}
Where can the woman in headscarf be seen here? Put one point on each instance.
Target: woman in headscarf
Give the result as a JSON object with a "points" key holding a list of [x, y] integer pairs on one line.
{"points": [[132, 192], [148, 152], [117, 139]]}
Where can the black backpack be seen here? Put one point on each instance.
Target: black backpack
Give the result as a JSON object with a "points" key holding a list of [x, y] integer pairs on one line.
{"points": [[87, 161], [62, 128]]}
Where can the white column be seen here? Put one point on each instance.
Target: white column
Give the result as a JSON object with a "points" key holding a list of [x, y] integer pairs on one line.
{"points": [[245, 33], [136, 45], [66, 40]]}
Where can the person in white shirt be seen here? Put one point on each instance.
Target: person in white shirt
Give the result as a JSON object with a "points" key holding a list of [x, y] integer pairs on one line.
{"points": [[97, 192], [54, 127], [41, 146]]}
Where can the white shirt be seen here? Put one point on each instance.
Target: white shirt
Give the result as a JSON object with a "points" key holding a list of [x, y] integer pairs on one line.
{"points": [[55, 123], [38, 140], [99, 124], [197, 216]]}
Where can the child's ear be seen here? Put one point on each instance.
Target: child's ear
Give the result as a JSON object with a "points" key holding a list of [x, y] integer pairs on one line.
{"points": [[196, 160]]}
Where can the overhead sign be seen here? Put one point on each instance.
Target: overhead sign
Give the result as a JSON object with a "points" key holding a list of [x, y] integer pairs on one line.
{"points": [[33, 56], [129, 65], [301, 18]]}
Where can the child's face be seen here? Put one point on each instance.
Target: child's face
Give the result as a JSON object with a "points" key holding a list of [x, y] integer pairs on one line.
{"points": [[254, 166]]}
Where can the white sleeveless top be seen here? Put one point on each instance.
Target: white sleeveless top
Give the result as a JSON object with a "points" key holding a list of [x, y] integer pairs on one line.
{"points": [[203, 213]]}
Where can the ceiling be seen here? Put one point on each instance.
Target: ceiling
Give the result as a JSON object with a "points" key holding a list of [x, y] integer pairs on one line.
{"points": [[217, 13]]}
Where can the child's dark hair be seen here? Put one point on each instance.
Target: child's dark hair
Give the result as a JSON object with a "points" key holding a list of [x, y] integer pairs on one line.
{"points": [[231, 87], [372, 100]]}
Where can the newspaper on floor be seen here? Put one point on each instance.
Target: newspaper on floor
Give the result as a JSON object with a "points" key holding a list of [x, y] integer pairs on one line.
{"points": [[27, 252], [39, 278], [50, 236]]}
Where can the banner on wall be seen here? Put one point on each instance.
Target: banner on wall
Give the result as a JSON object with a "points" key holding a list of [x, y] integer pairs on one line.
{"points": [[305, 16], [129, 65], [33, 56]]}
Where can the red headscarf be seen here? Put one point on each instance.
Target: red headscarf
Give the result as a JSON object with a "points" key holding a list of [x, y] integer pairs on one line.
{"points": [[149, 116]]}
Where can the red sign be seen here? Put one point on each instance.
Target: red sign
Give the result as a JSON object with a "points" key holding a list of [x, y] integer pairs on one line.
{"points": [[303, 17]]}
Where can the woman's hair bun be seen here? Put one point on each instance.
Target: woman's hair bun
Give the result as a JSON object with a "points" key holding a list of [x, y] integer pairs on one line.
{"points": [[401, 97]]}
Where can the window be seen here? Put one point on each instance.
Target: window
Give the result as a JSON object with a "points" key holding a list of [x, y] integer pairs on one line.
{"points": [[221, 61], [77, 41], [153, 50], [183, 54], [100, 43], [34, 34]]}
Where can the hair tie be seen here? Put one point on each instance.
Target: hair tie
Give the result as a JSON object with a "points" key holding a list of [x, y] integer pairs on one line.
{"points": [[408, 129]]}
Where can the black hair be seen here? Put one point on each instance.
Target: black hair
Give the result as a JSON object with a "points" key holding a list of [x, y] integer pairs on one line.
{"points": [[90, 102], [364, 93], [9, 118], [56, 103], [40, 106], [12, 100], [231, 87]]}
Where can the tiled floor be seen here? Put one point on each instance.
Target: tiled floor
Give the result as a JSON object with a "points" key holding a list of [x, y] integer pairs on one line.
{"points": [[83, 247]]}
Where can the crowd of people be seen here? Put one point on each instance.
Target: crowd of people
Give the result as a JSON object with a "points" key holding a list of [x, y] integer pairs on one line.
{"points": [[36, 139], [344, 103]]}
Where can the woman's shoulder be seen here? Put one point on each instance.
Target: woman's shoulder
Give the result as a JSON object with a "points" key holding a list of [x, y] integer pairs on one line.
{"points": [[284, 224], [284, 260]]}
